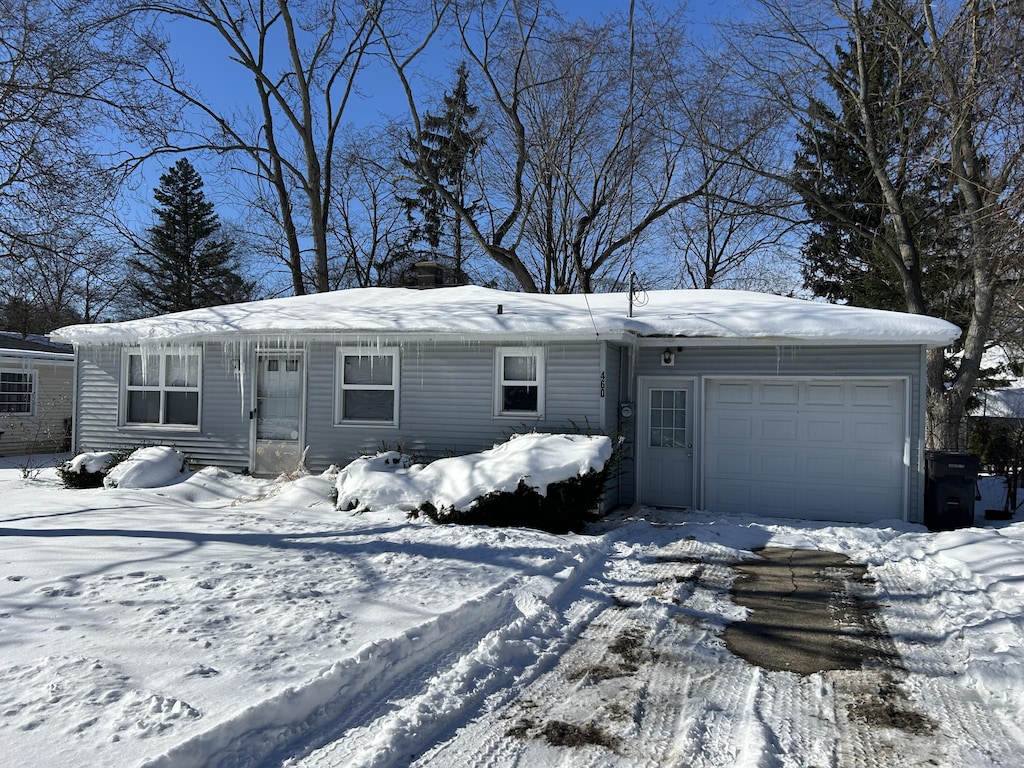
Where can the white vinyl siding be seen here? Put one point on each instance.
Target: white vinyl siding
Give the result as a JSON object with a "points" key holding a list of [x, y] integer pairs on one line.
{"points": [[368, 391], [161, 389]]}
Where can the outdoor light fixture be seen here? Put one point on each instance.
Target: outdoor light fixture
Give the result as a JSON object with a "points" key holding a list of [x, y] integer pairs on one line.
{"points": [[668, 357]]}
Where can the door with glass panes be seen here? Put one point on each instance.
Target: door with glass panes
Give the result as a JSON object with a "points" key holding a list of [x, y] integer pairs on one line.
{"points": [[277, 413], [665, 440]]}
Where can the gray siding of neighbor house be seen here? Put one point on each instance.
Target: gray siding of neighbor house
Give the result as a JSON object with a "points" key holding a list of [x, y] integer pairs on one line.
{"points": [[44, 430], [802, 361], [223, 435], [447, 401]]}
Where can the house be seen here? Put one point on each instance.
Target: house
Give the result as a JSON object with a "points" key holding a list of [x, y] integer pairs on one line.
{"points": [[35, 394], [729, 401]]}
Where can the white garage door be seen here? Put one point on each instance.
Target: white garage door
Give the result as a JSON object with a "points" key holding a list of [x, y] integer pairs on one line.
{"points": [[829, 449]]}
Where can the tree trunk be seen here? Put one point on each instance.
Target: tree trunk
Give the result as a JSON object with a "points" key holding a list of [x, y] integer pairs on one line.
{"points": [[943, 410]]}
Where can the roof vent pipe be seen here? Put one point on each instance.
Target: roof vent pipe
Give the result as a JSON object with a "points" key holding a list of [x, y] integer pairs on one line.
{"points": [[501, 309]]}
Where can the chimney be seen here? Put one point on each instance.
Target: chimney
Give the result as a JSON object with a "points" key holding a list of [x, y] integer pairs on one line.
{"points": [[428, 274]]}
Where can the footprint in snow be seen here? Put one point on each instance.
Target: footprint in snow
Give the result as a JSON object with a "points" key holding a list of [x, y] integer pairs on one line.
{"points": [[59, 592], [202, 671], [171, 708]]}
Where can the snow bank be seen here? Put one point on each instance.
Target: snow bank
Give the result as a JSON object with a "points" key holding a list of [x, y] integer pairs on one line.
{"points": [[391, 479], [149, 467]]}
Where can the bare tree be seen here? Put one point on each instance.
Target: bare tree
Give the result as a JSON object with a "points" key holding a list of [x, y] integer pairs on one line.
{"points": [[728, 235], [64, 275], [303, 58], [370, 220], [69, 83], [977, 51], [590, 141], [972, 97]]}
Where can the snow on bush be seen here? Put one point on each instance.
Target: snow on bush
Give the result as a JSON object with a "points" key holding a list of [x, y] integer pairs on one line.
{"points": [[87, 470], [534, 460], [91, 462], [149, 467]]}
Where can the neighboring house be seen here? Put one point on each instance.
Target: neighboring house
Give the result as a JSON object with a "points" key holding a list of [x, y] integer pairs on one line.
{"points": [[729, 401], [1007, 401], [35, 395]]}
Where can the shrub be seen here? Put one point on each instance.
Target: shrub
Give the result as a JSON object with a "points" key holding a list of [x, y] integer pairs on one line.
{"points": [[88, 470], [568, 506]]}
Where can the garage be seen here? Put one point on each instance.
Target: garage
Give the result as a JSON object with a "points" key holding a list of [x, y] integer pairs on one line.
{"points": [[824, 448]]}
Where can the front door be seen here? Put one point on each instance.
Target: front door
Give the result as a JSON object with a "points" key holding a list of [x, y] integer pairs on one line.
{"points": [[277, 415], [666, 443]]}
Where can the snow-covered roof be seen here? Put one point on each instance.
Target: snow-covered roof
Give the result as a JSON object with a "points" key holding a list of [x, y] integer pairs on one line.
{"points": [[1003, 403], [474, 312]]}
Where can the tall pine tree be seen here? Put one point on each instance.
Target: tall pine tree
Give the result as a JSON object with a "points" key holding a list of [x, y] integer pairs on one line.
{"points": [[448, 144], [845, 259], [185, 262]]}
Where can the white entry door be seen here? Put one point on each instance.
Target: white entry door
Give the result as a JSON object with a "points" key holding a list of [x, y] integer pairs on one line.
{"points": [[277, 415], [665, 443]]}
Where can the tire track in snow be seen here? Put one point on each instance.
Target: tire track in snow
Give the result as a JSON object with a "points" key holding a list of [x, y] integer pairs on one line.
{"points": [[617, 696], [928, 712], [688, 702], [413, 712], [620, 663]]}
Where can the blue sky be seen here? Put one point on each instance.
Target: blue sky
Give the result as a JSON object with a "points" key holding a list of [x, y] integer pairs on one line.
{"points": [[203, 54]]}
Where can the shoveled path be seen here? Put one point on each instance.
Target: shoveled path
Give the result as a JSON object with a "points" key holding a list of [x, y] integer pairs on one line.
{"points": [[808, 614]]}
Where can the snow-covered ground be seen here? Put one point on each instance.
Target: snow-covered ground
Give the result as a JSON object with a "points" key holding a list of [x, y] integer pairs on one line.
{"points": [[224, 620]]}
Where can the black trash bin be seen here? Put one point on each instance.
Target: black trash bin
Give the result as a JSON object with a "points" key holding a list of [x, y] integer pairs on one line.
{"points": [[950, 484]]}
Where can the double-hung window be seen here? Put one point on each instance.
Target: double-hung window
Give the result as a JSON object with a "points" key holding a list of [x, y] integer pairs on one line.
{"points": [[519, 382], [367, 387], [162, 388], [17, 391]]}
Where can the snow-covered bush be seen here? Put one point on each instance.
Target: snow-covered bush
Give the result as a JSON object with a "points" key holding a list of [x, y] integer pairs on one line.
{"points": [[149, 467], [506, 485], [567, 506], [375, 482], [88, 470]]}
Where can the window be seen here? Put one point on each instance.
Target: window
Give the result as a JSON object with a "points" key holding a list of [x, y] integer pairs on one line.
{"points": [[668, 418], [16, 391], [367, 387], [162, 388], [519, 382]]}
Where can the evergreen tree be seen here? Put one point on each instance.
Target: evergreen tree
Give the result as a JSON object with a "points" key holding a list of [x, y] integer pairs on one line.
{"points": [[843, 259], [185, 263], [448, 144]]}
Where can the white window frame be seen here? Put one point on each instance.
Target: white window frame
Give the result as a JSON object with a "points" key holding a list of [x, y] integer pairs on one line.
{"points": [[32, 391], [162, 387], [341, 387], [500, 383]]}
